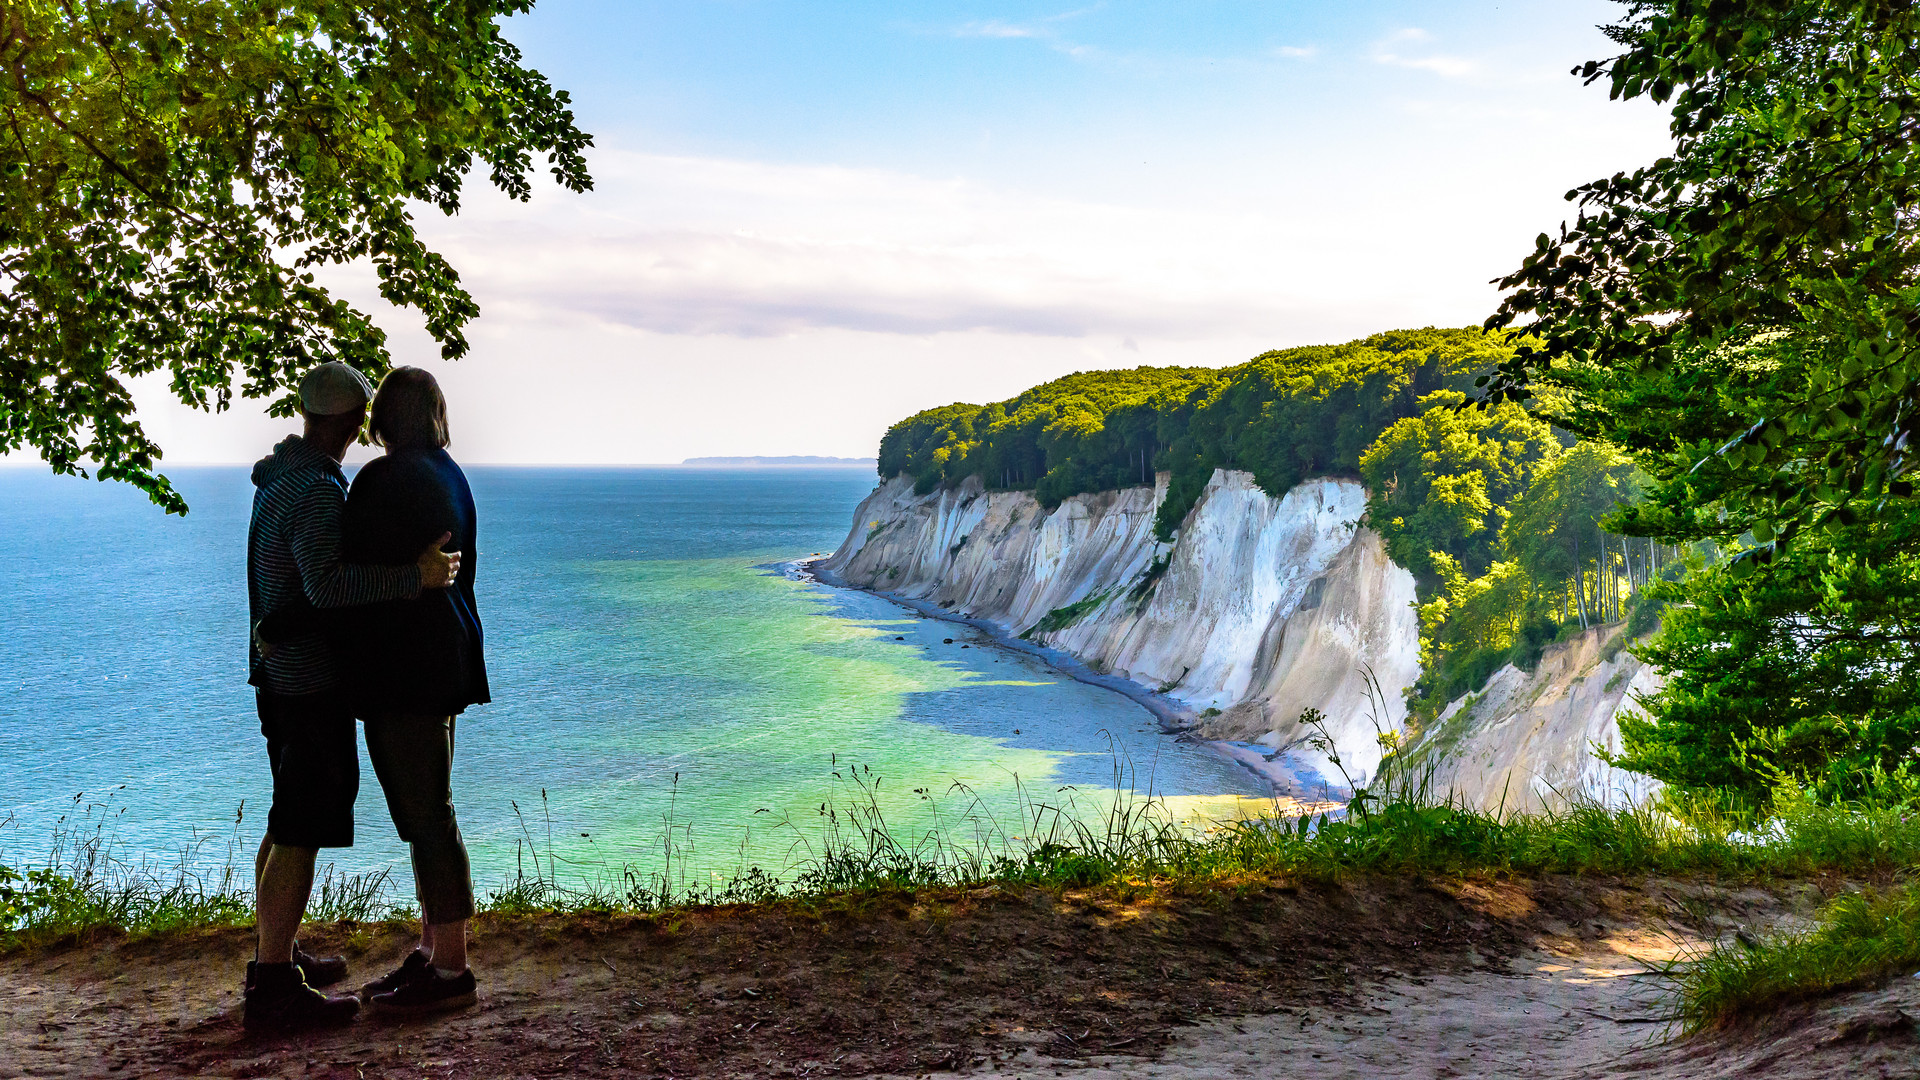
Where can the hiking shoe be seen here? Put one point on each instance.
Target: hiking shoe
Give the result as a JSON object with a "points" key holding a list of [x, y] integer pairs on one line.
{"points": [[427, 992], [409, 969], [279, 1000], [319, 970]]}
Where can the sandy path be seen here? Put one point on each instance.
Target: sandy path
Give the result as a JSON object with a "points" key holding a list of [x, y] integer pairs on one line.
{"points": [[1594, 1013]]}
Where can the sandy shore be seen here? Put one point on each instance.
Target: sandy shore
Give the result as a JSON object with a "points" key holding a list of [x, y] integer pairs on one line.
{"points": [[1289, 777], [1174, 717]]}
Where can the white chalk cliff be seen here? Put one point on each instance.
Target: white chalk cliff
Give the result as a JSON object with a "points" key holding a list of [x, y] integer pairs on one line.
{"points": [[1525, 741], [1263, 608]]}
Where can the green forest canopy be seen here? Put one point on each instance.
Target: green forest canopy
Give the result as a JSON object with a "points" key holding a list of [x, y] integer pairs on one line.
{"points": [[1283, 416]]}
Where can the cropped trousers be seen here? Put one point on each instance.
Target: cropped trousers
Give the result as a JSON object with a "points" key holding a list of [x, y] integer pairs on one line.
{"points": [[413, 757]]}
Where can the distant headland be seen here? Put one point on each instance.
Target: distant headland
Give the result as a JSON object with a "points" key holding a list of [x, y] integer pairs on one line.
{"points": [[801, 459]]}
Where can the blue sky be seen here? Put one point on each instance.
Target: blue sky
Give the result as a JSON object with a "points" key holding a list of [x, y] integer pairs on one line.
{"points": [[1020, 92], [814, 218]]}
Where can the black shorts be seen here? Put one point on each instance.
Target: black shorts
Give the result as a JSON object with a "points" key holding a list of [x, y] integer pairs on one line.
{"points": [[312, 747]]}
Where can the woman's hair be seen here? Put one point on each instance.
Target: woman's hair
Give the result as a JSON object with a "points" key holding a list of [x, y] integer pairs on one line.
{"points": [[408, 410]]}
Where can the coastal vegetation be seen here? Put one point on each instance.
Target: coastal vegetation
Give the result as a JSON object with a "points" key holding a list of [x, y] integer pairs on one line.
{"points": [[1135, 847], [1741, 318], [1283, 416], [1858, 939], [1062, 617]]}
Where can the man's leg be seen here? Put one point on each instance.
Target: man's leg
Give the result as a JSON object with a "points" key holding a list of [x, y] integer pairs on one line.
{"points": [[260, 861], [259, 890], [316, 774], [281, 902]]}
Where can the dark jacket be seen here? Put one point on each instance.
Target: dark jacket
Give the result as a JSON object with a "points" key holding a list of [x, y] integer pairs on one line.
{"points": [[294, 561], [422, 655]]}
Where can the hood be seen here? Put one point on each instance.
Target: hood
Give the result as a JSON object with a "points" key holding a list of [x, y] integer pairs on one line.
{"points": [[289, 454]]}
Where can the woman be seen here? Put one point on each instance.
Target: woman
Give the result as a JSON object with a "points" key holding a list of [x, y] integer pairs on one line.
{"points": [[414, 666]]}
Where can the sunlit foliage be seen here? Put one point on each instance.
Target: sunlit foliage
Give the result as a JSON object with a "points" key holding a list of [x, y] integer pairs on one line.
{"points": [[171, 174], [1283, 416]]}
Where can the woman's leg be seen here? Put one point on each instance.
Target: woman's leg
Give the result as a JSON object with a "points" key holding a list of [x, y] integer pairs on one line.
{"points": [[413, 757], [446, 943]]}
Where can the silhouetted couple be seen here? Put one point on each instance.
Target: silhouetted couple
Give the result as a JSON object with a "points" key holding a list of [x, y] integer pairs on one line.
{"points": [[361, 605]]}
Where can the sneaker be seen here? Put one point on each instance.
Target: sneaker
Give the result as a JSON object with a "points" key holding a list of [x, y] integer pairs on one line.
{"points": [[409, 969], [278, 999], [319, 970], [427, 992]]}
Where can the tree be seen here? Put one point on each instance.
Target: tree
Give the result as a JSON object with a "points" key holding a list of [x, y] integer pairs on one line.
{"points": [[1743, 316], [1804, 669], [1474, 627], [1441, 482], [171, 173], [1784, 212], [1554, 531]]}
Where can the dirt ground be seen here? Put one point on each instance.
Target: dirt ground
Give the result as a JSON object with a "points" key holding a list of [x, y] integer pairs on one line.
{"points": [[1372, 978], [1587, 1012]]}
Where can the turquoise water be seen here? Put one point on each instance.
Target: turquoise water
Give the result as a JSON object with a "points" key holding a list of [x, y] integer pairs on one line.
{"points": [[662, 682]]}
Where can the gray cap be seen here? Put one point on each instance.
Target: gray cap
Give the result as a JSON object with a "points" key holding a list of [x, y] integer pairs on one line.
{"points": [[334, 388]]}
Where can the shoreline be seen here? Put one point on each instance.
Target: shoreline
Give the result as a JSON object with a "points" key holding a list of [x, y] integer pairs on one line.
{"points": [[1175, 719]]}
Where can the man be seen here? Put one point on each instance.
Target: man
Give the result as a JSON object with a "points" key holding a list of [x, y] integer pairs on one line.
{"points": [[293, 552]]}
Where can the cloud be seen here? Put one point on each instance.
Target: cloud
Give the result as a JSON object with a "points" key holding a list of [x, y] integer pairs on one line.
{"points": [[703, 246], [1296, 52], [1041, 29], [994, 28], [698, 246], [1387, 51]]}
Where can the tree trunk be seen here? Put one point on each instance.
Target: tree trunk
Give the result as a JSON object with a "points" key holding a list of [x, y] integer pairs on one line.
{"points": [[1579, 582], [1613, 581], [1604, 569]]}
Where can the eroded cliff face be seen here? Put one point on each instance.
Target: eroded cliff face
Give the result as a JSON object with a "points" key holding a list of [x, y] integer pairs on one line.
{"points": [[1264, 608], [1526, 740]]}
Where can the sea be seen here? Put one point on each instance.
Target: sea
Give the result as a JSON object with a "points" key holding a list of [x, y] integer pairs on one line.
{"points": [[673, 701]]}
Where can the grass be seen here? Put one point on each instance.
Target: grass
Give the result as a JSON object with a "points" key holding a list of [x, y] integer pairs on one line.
{"points": [[1062, 617], [1132, 840], [1392, 827], [86, 884], [1857, 941]]}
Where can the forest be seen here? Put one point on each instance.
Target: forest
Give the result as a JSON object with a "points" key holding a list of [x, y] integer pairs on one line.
{"points": [[1282, 416]]}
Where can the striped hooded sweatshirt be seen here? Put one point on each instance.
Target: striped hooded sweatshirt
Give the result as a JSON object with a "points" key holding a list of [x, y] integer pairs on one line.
{"points": [[293, 549]]}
